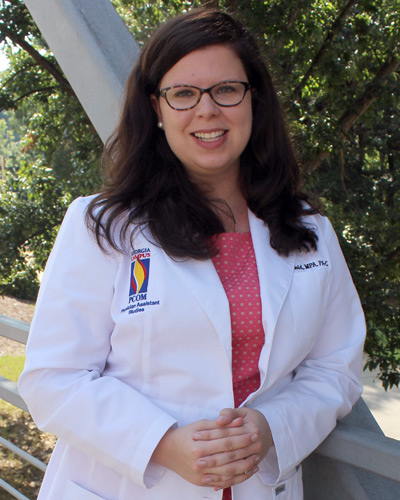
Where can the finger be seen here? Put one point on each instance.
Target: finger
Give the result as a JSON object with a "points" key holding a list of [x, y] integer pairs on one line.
{"points": [[227, 444], [235, 468], [204, 424], [227, 415], [236, 422], [213, 462], [219, 433], [236, 480], [221, 481]]}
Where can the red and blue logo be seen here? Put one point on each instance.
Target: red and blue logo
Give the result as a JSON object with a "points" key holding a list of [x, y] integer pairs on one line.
{"points": [[140, 269]]}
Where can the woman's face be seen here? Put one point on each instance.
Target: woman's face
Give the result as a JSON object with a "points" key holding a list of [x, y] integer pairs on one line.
{"points": [[208, 139]]}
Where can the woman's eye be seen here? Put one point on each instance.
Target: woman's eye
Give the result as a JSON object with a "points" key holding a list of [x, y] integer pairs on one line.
{"points": [[183, 93], [226, 89]]}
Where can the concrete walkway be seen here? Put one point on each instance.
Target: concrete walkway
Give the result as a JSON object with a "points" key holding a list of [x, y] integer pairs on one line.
{"points": [[385, 406]]}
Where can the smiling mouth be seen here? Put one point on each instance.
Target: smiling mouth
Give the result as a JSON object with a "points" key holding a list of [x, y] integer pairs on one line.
{"points": [[210, 136]]}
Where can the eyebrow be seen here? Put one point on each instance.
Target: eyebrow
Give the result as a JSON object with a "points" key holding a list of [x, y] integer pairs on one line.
{"points": [[182, 84]]}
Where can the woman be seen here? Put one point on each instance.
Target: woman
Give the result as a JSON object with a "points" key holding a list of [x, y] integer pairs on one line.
{"points": [[197, 332]]}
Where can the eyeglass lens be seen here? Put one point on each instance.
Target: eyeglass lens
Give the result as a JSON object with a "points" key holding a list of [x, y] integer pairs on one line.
{"points": [[224, 94]]}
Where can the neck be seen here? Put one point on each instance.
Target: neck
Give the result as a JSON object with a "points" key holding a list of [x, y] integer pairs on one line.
{"points": [[240, 221], [233, 211]]}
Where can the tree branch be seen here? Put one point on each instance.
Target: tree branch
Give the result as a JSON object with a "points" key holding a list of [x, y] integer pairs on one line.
{"points": [[48, 66], [11, 104], [294, 14], [15, 74], [369, 95], [325, 44], [210, 3], [42, 61], [394, 255], [34, 91], [359, 106]]}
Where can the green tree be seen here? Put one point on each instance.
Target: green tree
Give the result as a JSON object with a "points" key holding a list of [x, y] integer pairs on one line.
{"points": [[50, 149], [337, 67]]}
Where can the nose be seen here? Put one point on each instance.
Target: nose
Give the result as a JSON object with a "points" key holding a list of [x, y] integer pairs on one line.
{"points": [[207, 107]]}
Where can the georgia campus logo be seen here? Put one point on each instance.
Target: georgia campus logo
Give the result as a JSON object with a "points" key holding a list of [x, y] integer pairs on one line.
{"points": [[139, 282], [140, 269]]}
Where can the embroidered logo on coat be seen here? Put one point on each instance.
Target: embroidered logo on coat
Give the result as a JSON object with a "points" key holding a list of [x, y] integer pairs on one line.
{"points": [[139, 282], [140, 268]]}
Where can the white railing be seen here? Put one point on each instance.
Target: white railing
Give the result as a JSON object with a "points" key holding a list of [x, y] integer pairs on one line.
{"points": [[349, 444], [17, 331]]}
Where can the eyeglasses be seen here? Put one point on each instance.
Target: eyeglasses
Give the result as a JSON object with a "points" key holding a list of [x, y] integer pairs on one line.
{"points": [[227, 93]]}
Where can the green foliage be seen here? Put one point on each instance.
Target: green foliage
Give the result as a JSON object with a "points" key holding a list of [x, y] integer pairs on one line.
{"points": [[143, 17], [336, 65], [50, 150]]}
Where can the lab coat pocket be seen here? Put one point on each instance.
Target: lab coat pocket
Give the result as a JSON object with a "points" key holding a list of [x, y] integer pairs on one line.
{"points": [[75, 492], [291, 488]]}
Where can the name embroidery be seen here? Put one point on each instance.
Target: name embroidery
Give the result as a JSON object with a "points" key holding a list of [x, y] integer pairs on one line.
{"points": [[311, 265]]}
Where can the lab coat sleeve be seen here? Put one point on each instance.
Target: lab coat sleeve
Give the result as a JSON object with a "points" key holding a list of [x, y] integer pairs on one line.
{"points": [[67, 351], [326, 383]]}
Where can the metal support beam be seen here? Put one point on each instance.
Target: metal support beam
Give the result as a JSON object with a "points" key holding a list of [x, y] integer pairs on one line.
{"points": [[15, 493], [94, 49], [23, 454], [14, 329], [9, 392]]}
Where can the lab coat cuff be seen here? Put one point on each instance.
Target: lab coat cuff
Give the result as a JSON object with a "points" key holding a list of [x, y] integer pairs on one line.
{"points": [[269, 468], [277, 463], [152, 472]]}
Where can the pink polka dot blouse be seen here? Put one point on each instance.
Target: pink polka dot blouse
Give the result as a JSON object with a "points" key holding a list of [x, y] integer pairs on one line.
{"points": [[236, 266]]}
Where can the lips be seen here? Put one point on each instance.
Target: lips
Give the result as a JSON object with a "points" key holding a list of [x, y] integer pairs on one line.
{"points": [[213, 136]]}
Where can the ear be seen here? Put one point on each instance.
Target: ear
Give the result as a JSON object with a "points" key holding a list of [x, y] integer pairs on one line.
{"points": [[156, 106]]}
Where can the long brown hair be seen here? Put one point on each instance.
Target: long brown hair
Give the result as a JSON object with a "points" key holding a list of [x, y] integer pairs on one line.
{"points": [[146, 184]]}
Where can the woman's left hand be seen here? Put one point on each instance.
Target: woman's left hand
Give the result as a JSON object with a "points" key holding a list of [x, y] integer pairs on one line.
{"points": [[252, 422]]}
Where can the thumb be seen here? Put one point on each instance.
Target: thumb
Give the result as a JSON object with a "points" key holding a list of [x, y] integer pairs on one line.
{"points": [[230, 416]]}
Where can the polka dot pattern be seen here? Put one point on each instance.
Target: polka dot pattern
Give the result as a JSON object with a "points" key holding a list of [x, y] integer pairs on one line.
{"points": [[236, 266]]}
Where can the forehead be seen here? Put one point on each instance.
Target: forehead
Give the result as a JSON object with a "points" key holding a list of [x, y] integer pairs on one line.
{"points": [[205, 67]]}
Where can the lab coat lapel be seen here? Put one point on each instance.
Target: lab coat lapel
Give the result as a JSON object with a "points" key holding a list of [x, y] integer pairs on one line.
{"points": [[202, 281], [275, 275]]}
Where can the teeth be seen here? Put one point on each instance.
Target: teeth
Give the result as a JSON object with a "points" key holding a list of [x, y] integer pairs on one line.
{"points": [[209, 136]]}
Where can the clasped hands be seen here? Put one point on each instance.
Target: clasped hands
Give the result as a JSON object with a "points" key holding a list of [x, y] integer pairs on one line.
{"points": [[217, 453]]}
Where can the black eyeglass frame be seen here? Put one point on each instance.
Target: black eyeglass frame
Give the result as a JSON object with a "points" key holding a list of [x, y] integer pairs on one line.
{"points": [[163, 92]]}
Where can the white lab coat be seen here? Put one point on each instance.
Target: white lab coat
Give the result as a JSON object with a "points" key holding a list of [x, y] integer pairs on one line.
{"points": [[109, 372]]}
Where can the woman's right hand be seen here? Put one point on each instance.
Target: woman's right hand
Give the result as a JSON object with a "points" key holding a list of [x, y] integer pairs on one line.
{"points": [[180, 452]]}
